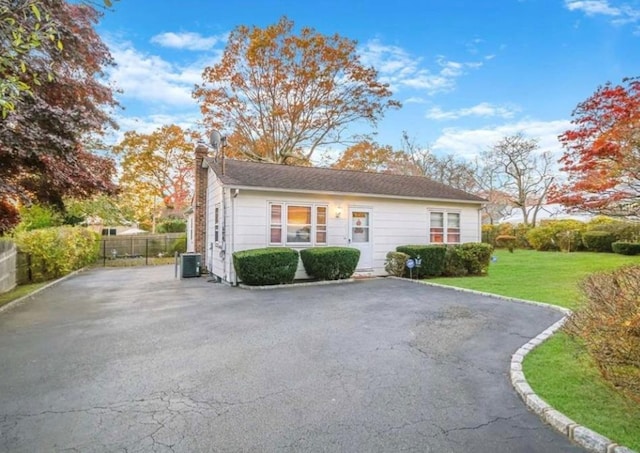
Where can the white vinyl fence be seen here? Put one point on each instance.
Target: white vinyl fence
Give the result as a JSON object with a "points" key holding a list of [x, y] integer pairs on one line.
{"points": [[8, 254]]}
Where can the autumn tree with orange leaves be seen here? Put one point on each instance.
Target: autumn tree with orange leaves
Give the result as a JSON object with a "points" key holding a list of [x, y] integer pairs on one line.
{"points": [[602, 152], [157, 170], [285, 95], [369, 156]]}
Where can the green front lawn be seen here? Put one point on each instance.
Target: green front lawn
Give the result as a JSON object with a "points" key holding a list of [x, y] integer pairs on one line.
{"points": [[550, 277], [560, 370]]}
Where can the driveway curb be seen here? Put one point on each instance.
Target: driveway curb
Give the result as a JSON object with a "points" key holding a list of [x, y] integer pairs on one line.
{"points": [[581, 435], [20, 300]]}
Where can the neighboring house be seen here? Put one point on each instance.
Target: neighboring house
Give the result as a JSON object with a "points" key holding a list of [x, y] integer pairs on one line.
{"points": [[242, 205]]}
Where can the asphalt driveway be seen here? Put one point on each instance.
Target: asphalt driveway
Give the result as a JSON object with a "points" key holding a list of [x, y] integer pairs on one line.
{"points": [[135, 360]]}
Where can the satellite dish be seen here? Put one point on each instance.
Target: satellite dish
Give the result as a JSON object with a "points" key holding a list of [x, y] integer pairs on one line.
{"points": [[215, 139]]}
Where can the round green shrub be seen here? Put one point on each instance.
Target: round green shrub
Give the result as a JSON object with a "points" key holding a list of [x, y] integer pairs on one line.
{"points": [[330, 263], [266, 266], [395, 263]]}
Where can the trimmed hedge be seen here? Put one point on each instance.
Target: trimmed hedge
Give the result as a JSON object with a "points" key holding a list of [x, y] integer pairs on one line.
{"points": [[449, 260], [330, 263], [396, 263], [432, 257], [266, 266], [597, 241], [626, 248], [507, 241]]}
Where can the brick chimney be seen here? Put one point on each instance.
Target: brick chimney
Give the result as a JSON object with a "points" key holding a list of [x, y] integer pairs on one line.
{"points": [[200, 205]]}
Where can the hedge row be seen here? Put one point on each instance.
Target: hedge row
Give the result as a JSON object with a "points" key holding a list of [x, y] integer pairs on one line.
{"points": [[450, 260], [59, 250], [566, 235], [278, 265]]}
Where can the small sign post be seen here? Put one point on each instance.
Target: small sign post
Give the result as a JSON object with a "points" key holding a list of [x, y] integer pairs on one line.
{"points": [[410, 263]]}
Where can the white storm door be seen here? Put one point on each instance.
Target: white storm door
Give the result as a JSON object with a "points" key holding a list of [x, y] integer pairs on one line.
{"points": [[360, 235]]}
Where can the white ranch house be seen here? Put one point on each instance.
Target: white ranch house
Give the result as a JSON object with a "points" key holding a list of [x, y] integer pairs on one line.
{"points": [[242, 205]]}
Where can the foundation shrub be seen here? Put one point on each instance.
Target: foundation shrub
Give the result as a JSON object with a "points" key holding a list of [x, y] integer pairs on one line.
{"points": [[266, 266], [454, 262], [432, 259], [330, 263], [395, 263], [609, 325]]}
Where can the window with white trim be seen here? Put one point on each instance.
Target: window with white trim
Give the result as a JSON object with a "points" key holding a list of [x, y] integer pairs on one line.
{"points": [[297, 224], [216, 224], [444, 227]]}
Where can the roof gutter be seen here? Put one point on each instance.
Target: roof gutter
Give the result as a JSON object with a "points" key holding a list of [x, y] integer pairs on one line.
{"points": [[355, 194]]}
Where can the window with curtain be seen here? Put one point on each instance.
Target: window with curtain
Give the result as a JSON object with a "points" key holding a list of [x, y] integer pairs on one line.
{"points": [[444, 227], [303, 224]]}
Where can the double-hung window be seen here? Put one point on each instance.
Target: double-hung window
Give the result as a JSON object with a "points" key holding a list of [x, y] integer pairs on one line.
{"points": [[216, 224], [444, 227], [297, 224]]}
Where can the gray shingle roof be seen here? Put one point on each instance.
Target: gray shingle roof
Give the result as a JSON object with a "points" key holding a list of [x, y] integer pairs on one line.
{"points": [[291, 178]]}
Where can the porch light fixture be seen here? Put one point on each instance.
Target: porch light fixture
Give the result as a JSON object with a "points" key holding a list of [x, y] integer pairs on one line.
{"points": [[338, 211]]}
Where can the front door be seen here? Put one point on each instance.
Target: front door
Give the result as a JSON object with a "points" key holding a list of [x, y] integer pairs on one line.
{"points": [[360, 236]]}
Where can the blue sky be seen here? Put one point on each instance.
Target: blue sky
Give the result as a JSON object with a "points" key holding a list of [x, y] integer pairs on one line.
{"points": [[467, 72]]}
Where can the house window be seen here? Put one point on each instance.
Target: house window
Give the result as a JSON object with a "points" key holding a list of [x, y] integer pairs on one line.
{"points": [[108, 231], [444, 228], [304, 224], [321, 224], [276, 224], [298, 223], [216, 224]]}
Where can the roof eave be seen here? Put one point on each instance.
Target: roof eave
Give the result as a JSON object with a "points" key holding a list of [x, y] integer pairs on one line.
{"points": [[355, 194]]}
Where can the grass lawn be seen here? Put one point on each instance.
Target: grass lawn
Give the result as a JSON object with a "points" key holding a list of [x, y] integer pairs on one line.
{"points": [[550, 277], [18, 292], [560, 370]]}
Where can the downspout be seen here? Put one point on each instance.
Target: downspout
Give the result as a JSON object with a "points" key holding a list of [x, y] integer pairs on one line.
{"points": [[232, 233], [223, 236]]}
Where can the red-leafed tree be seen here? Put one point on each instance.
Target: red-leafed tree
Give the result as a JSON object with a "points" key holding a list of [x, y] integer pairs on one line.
{"points": [[47, 140], [602, 152]]}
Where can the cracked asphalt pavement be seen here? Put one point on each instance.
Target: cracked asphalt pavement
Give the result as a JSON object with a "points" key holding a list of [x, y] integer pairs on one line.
{"points": [[134, 360]]}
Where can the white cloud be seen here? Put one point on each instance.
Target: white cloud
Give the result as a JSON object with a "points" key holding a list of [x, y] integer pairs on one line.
{"points": [[415, 100], [622, 14], [401, 70], [187, 40], [149, 78], [484, 109], [470, 143], [592, 7], [150, 123]]}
